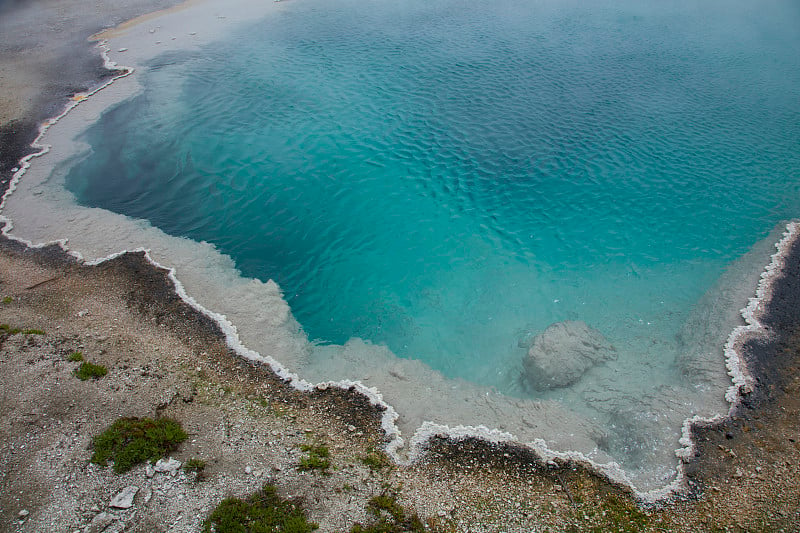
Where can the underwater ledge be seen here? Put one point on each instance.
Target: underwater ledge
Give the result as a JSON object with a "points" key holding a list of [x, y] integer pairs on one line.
{"points": [[743, 383]]}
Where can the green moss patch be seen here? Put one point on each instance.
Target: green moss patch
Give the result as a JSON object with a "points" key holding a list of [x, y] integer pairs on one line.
{"points": [[90, 371], [376, 460], [390, 517], [614, 513], [197, 467], [5, 328], [75, 357], [194, 465], [317, 459], [131, 441], [262, 512]]}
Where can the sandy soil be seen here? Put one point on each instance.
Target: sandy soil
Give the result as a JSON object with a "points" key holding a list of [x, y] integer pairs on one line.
{"points": [[166, 360]]}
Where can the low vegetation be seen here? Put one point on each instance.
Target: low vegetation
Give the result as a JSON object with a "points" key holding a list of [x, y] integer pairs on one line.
{"points": [[5, 328], [614, 513], [376, 461], [262, 512], [390, 517], [132, 441], [197, 467], [317, 459], [194, 465], [75, 357], [90, 371]]}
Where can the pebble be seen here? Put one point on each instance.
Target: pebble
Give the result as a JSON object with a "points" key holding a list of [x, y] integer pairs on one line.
{"points": [[23, 513], [248, 470]]}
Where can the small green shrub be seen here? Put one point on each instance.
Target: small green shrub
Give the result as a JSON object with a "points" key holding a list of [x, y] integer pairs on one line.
{"points": [[131, 441], [90, 371], [13, 331], [389, 516], [376, 460], [617, 514], [194, 465], [75, 357], [317, 458], [8, 300], [262, 512]]}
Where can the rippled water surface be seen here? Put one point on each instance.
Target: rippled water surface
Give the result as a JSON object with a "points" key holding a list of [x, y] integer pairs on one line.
{"points": [[449, 178]]}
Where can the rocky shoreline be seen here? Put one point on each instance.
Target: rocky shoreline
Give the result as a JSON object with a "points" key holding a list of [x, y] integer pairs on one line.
{"points": [[166, 359], [249, 426]]}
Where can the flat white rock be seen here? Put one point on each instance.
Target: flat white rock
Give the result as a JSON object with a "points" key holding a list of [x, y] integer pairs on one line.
{"points": [[168, 465], [99, 523], [124, 500]]}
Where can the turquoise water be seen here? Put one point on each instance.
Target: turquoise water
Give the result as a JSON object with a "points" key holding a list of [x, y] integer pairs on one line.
{"points": [[450, 178]]}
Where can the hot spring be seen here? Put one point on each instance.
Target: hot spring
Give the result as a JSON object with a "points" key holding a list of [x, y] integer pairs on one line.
{"points": [[538, 216]]}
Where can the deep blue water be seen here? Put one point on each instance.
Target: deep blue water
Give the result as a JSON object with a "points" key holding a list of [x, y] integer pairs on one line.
{"points": [[451, 177]]}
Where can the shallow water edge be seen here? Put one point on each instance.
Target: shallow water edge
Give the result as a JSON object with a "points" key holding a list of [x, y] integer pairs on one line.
{"points": [[742, 382]]}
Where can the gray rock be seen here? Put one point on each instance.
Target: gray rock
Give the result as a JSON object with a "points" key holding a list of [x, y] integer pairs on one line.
{"points": [[124, 500], [23, 513], [149, 471], [99, 523], [561, 354], [168, 465]]}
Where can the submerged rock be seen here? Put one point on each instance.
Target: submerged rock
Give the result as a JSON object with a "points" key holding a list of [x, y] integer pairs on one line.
{"points": [[561, 354]]}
